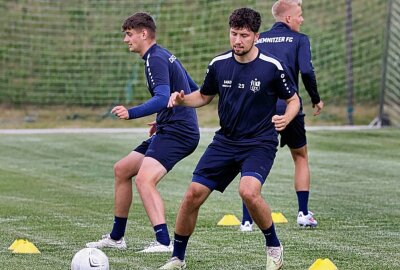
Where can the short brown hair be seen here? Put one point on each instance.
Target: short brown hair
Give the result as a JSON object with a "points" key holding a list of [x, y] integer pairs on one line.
{"points": [[245, 18], [140, 20]]}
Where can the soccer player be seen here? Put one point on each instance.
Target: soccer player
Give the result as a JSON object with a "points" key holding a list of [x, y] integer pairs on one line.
{"points": [[248, 83], [285, 42], [177, 135]]}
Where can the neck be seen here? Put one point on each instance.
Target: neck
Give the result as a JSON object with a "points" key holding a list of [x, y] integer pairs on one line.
{"points": [[281, 20], [248, 57], [286, 23], [146, 47]]}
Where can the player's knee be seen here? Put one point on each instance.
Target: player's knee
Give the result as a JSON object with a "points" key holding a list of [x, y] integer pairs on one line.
{"points": [[300, 154], [120, 172], [247, 195], [193, 197], [142, 183], [117, 169]]}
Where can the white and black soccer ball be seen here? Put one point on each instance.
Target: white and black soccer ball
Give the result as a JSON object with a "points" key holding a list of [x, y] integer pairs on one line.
{"points": [[90, 259]]}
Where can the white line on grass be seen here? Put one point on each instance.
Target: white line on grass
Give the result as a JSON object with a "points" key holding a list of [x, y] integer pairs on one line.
{"points": [[145, 130]]}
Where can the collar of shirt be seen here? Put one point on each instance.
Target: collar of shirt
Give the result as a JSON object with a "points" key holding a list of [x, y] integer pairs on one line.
{"points": [[148, 51], [280, 25]]}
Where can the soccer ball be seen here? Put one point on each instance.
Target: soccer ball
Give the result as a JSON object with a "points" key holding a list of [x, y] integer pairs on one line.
{"points": [[90, 259]]}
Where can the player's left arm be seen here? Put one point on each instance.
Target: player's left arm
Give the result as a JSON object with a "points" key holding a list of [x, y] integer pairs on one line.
{"points": [[292, 109], [158, 70], [308, 75], [285, 90]]}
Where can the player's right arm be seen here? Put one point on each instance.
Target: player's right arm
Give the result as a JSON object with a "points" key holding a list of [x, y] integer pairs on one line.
{"points": [[194, 99], [308, 74], [197, 98], [307, 69]]}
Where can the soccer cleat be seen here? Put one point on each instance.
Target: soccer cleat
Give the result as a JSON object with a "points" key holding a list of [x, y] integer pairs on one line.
{"points": [[274, 258], [306, 220], [246, 227], [174, 263], [157, 247], [108, 242]]}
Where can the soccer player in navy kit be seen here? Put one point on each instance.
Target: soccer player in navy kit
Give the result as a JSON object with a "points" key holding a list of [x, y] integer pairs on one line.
{"points": [[248, 83], [177, 135], [285, 42]]}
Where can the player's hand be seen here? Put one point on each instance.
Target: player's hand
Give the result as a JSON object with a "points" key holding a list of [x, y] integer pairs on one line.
{"points": [[280, 122], [176, 98], [153, 128], [318, 108], [121, 112]]}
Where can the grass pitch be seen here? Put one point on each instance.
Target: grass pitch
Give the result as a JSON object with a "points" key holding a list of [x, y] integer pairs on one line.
{"points": [[56, 190]]}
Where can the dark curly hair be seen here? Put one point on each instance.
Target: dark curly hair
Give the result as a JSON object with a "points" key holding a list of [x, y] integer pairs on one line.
{"points": [[245, 18], [140, 20]]}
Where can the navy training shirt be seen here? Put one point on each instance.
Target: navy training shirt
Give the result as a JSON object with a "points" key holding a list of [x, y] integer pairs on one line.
{"points": [[293, 48], [163, 68], [248, 93]]}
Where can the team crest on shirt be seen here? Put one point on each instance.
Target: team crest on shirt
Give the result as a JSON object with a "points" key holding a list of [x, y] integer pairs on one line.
{"points": [[255, 85], [172, 58]]}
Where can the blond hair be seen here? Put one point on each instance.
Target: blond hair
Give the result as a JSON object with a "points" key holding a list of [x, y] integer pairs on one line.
{"points": [[280, 8]]}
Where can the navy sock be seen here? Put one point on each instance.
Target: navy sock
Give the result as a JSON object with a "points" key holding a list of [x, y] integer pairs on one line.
{"points": [[119, 227], [271, 239], [162, 235], [246, 215], [302, 198], [180, 244]]}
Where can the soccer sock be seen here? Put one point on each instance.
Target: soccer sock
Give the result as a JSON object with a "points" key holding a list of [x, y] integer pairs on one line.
{"points": [[180, 244], [302, 198], [119, 227], [271, 239], [246, 215], [162, 235]]}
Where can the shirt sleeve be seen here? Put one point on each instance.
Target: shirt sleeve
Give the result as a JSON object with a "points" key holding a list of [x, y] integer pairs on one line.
{"points": [[307, 70], [210, 84], [158, 102], [157, 71], [284, 85], [193, 86]]}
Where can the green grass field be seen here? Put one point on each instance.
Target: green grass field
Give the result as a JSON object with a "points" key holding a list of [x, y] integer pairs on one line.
{"points": [[56, 190]]}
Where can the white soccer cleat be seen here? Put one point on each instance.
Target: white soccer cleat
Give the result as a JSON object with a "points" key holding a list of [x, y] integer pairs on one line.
{"points": [[274, 258], [306, 220], [174, 263], [107, 242], [157, 247], [246, 227]]}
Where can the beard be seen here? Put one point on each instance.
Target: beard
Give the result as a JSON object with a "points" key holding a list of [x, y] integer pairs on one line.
{"points": [[243, 51]]}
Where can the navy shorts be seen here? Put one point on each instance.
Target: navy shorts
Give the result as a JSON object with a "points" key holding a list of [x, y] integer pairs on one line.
{"points": [[294, 135], [222, 162], [168, 148]]}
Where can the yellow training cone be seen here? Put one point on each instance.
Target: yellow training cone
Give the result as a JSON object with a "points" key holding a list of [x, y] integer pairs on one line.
{"points": [[26, 248], [229, 220], [278, 217], [16, 243], [323, 264]]}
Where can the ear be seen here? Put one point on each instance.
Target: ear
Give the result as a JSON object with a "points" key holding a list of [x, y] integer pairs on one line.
{"points": [[144, 33], [288, 19]]}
